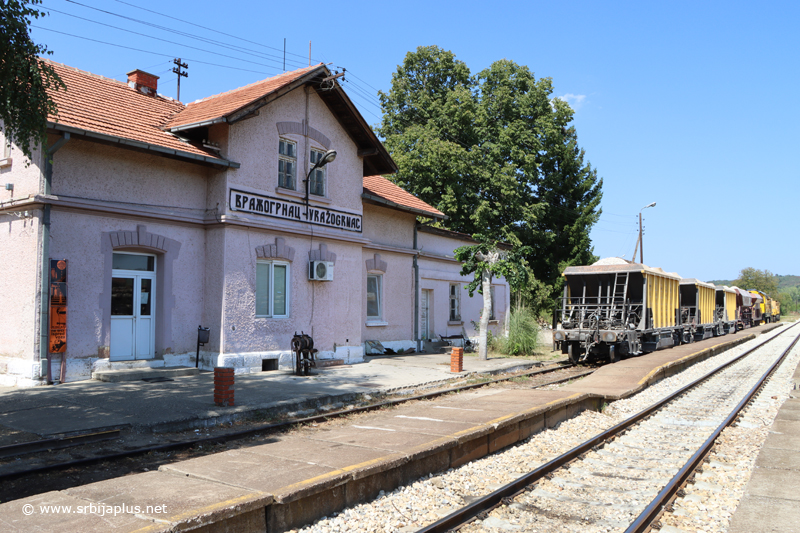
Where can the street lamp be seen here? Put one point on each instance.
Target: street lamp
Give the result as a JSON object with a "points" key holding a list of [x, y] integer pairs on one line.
{"points": [[639, 243], [327, 157]]}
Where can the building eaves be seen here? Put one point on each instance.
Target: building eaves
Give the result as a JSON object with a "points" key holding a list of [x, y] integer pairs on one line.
{"points": [[381, 191], [108, 110], [130, 143]]}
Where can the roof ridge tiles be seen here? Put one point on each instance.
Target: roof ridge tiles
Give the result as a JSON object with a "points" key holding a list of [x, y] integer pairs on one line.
{"points": [[81, 71], [259, 82], [119, 83]]}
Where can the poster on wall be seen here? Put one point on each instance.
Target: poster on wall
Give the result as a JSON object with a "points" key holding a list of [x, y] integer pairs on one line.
{"points": [[58, 306]]}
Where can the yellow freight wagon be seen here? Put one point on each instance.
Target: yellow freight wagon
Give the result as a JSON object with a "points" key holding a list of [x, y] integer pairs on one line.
{"points": [[617, 308], [725, 310], [697, 305], [758, 308]]}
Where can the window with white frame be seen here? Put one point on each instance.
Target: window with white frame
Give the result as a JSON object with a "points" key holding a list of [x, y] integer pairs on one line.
{"points": [[5, 146], [287, 164], [374, 297], [455, 302], [272, 289], [491, 313], [316, 183]]}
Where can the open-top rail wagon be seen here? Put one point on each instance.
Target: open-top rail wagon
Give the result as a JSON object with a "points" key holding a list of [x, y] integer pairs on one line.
{"points": [[618, 309]]}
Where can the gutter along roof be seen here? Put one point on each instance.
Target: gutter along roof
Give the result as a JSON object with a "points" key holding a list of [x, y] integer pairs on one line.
{"points": [[108, 110]]}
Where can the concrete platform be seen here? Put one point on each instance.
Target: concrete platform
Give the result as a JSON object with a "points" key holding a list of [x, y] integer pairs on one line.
{"points": [[136, 374], [291, 480], [771, 501]]}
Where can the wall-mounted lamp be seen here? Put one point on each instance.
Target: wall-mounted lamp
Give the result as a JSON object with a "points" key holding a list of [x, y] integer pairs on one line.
{"points": [[326, 158]]}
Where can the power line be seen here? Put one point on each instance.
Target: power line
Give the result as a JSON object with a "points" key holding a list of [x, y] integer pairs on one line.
{"points": [[268, 57], [164, 40], [359, 79], [304, 57], [147, 51]]}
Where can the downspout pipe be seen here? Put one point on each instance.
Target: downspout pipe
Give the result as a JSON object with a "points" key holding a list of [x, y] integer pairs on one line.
{"points": [[44, 292], [416, 291]]}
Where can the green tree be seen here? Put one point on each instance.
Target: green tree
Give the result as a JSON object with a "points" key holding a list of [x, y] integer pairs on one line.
{"points": [[752, 279], [486, 260], [24, 78], [496, 153]]}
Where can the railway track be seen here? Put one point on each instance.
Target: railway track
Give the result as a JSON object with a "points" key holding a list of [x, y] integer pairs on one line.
{"points": [[18, 480], [623, 478]]}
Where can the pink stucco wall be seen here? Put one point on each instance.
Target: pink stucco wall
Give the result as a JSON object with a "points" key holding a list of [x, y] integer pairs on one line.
{"points": [[176, 187], [84, 242], [254, 144], [438, 270], [19, 258], [397, 307], [327, 310], [27, 180], [388, 226]]}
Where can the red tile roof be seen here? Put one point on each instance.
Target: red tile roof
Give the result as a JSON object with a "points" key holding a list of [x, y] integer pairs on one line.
{"points": [[220, 105], [380, 187], [109, 107]]}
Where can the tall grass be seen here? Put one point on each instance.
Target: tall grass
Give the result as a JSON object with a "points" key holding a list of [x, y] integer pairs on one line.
{"points": [[523, 334]]}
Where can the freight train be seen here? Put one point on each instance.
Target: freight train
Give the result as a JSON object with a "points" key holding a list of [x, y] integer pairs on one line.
{"points": [[616, 308]]}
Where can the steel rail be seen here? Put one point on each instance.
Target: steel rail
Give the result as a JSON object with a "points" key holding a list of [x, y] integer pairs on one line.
{"points": [[24, 448], [276, 426], [652, 511], [490, 501]]}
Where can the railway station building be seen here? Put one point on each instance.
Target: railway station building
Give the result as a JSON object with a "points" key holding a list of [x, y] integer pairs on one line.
{"points": [[144, 218]]}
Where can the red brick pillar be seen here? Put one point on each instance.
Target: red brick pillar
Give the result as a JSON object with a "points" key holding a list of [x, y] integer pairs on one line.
{"points": [[223, 386], [457, 360]]}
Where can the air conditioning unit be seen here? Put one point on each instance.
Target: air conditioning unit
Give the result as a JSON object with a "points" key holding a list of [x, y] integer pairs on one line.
{"points": [[320, 270]]}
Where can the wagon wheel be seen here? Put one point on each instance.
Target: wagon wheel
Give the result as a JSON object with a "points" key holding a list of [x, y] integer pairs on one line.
{"points": [[571, 354]]}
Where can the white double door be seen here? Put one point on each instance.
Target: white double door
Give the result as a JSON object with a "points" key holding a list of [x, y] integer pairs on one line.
{"points": [[132, 314]]}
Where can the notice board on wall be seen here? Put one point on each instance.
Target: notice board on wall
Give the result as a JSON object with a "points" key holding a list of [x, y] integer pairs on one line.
{"points": [[58, 306]]}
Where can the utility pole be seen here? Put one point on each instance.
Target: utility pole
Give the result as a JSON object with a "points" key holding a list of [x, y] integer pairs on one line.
{"points": [[641, 244], [177, 70]]}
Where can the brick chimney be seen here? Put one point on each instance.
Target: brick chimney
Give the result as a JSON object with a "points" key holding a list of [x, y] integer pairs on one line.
{"points": [[144, 82]]}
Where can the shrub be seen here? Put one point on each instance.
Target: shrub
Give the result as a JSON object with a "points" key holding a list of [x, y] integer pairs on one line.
{"points": [[523, 334]]}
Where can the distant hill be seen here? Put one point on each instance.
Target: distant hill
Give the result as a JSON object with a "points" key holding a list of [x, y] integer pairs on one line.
{"points": [[784, 282]]}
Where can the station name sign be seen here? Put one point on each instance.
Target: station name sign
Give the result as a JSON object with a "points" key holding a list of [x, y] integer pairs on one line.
{"points": [[258, 204]]}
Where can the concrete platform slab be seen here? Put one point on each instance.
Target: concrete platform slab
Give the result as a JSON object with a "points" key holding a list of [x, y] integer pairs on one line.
{"points": [[456, 413], [784, 434], [778, 458], [407, 420], [761, 515], [163, 497], [138, 374], [55, 420], [58, 511], [774, 484], [373, 437], [248, 470], [333, 455]]}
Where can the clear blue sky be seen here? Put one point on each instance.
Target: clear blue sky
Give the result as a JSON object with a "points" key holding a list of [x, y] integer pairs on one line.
{"points": [[692, 105]]}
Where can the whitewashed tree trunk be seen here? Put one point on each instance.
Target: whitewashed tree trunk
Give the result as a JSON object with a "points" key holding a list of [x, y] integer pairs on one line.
{"points": [[486, 286]]}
